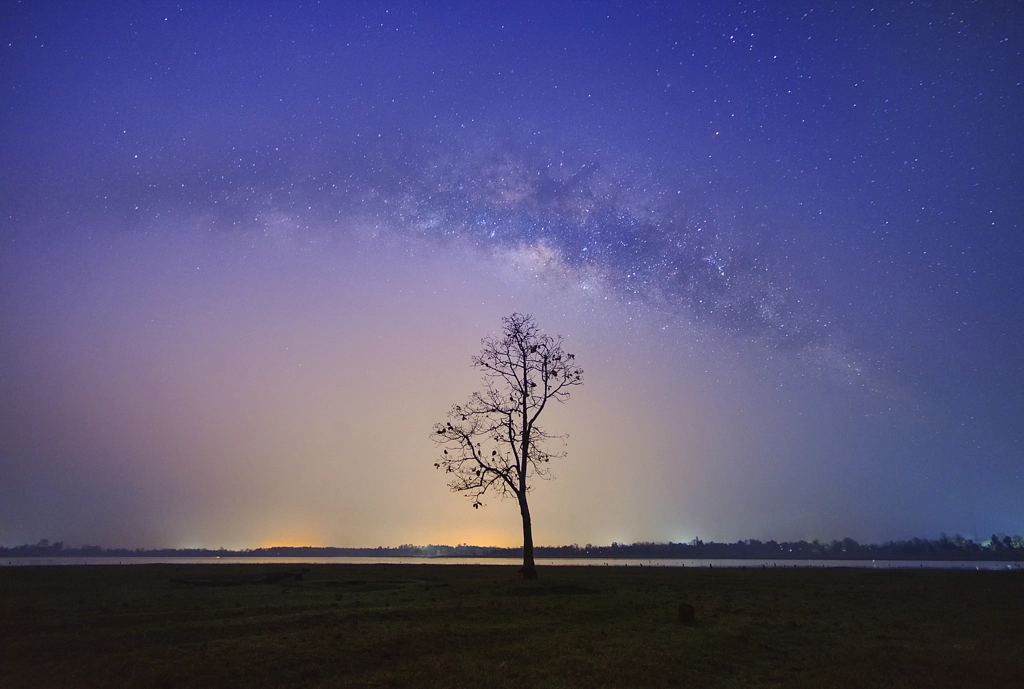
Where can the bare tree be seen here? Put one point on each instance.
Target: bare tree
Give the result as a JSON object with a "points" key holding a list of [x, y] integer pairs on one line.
{"points": [[493, 441]]}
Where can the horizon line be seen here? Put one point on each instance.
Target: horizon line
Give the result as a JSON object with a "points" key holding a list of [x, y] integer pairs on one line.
{"points": [[1013, 541]]}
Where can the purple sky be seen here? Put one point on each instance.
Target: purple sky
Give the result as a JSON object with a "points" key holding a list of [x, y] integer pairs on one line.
{"points": [[247, 253]]}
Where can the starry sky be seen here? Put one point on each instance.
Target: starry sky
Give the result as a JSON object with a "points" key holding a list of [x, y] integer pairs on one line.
{"points": [[248, 249]]}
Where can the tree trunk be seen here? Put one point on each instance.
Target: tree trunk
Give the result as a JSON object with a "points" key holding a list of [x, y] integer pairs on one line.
{"points": [[529, 570]]}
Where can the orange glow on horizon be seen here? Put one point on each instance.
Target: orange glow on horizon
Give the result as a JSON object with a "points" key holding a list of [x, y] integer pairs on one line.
{"points": [[305, 537], [292, 537], [479, 536]]}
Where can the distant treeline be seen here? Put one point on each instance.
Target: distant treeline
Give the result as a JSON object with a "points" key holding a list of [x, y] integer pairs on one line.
{"points": [[998, 547]]}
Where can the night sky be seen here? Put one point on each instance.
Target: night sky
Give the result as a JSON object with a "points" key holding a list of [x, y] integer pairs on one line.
{"points": [[247, 251]]}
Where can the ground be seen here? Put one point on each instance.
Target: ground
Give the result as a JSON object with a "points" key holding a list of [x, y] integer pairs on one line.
{"points": [[481, 626]]}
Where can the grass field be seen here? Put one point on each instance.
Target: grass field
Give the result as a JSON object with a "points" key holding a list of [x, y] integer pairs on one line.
{"points": [[479, 626]]}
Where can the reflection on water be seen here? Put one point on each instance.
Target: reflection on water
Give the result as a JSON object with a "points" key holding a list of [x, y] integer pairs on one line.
{"points": [[509, 561]]}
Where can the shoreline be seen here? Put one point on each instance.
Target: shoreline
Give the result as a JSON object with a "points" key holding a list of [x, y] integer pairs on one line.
{"points": [[660, 563]]}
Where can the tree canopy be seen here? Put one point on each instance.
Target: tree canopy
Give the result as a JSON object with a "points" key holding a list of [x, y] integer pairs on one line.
{"points": [[493, 442]]}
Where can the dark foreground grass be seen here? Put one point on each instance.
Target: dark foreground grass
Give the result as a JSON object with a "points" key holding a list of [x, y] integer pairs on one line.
{"points": [[478, 626]]}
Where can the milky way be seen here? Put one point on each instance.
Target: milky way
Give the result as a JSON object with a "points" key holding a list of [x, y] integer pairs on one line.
{"points": [[248, 253]]}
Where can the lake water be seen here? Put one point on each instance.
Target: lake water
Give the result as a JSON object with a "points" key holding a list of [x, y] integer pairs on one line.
{"points": [[541, 562]]}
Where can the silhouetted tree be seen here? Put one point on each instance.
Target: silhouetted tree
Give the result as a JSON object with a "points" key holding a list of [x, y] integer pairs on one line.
{"points": [[493, 441]]}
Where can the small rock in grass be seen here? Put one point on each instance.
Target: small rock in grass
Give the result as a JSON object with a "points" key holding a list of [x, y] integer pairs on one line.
{"points": [[687, 614]]}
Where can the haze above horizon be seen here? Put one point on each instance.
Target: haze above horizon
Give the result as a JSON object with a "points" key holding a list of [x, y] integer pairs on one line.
{"points": [[248, 252]]}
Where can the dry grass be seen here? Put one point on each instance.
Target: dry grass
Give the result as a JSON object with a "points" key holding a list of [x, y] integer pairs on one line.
{"points": [[478, 626]]}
